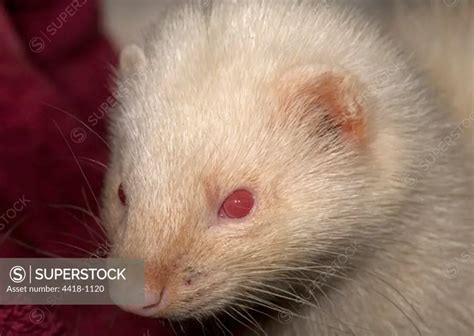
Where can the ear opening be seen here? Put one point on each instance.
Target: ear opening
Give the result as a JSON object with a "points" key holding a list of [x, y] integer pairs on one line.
{"points": [[325, 98]]}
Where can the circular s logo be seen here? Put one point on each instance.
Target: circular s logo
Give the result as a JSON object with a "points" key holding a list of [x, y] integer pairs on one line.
{"points": [[17, 274]]}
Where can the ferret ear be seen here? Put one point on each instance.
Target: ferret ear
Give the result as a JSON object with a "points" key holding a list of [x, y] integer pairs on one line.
{"points": [[132, 58], [324, 99]]}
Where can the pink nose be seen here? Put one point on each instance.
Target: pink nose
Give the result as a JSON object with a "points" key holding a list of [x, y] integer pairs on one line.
{"points": [[154, 302]]}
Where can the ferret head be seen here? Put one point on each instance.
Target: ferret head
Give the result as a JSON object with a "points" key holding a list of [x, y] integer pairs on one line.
{"points": [[243, 155]]}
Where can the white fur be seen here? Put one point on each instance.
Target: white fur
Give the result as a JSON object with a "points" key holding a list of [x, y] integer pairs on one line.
{"points": [[203, 108]]}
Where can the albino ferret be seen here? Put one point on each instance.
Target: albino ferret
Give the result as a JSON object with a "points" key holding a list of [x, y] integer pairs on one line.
{"points": [[287, 158]]}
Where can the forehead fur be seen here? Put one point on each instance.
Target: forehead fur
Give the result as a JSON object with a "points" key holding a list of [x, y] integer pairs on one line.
{"points": [[210, 73]]}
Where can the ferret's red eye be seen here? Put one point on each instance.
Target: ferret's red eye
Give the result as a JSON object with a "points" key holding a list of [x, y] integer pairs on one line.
{"points": [[121, 195], [237, 205]]}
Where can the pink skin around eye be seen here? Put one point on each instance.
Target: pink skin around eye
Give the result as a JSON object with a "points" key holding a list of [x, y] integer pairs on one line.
{"points": [[121, 195], [237, 205]]}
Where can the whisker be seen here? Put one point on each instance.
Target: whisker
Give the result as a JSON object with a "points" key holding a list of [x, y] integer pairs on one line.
{"points": [[84, 176], [242, 323], [267, 304], [92, 162], [88, 253], [80, 121], [75, 207], [90, 242], [221, 325], [397, 291], [249, 319], [252, 308], [96, 218], [98, 163], [7, 235], [172, 328], [295, 298], [92, 233], [34, 249]]}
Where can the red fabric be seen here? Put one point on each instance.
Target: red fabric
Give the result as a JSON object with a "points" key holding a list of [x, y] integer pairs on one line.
{"points": [[55, 65]]}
